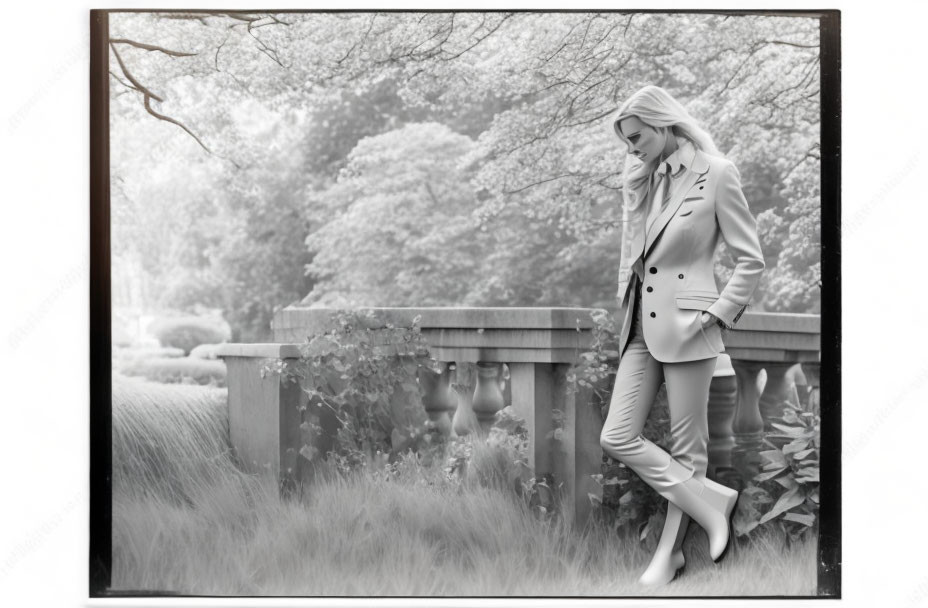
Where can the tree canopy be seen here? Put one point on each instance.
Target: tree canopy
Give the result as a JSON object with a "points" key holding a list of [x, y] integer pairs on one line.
{"points": [[437, 158]]}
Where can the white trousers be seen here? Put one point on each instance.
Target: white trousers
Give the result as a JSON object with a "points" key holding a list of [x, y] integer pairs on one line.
{"points": [[637, 381]]}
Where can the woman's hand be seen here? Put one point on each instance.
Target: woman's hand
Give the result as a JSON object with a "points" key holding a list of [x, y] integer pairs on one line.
{"points": [[708, 319]]}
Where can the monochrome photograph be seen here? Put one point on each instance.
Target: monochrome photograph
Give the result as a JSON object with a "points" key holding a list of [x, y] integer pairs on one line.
{"points": [[465, 303]]}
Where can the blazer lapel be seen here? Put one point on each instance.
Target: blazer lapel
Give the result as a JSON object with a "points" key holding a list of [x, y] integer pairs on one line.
{"points": [[697, 169]]}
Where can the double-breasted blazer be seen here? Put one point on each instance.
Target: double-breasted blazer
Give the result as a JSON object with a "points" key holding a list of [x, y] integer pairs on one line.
{"points": [[674, 268]]}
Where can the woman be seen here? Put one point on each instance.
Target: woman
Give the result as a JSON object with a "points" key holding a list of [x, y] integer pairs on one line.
{"points": [[680, 195]]}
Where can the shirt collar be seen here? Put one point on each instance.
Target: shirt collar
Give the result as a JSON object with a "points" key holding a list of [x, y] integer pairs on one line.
{"points": [[683, 156]]}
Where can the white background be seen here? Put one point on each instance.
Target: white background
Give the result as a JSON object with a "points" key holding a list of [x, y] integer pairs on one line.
{"points": [[44, 335]]}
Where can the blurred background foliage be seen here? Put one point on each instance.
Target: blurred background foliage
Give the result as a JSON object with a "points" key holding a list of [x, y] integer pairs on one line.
{"points": [[425, 159]]}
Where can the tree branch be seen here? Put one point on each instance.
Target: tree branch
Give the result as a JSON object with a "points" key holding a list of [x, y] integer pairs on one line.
{"points": [[151, 47], [173, 121], [138, 85], [532, 185]]}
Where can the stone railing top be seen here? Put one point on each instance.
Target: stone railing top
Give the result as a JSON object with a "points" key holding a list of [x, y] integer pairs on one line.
{"points": [[553, 334], [449, 317], [780, 321]]}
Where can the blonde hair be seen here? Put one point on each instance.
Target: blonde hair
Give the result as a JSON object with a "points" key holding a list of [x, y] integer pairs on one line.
{"points": [[656, 108]]}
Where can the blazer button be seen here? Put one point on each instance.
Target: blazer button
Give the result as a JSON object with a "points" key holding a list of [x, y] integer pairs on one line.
{"points": [[650, 289], [653, 270], [679, 276], [653, 315]]}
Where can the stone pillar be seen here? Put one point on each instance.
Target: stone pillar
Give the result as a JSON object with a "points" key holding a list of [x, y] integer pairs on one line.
{"points": [[532, 400], [748, 425], [578, 455], [264, 412]]}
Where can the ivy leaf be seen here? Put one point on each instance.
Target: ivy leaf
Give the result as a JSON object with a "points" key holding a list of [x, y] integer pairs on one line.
{"points": [[790, 431], [801, 455], [770, 474], [802, 518], [795, 446], [791, 498], [811, 476]]}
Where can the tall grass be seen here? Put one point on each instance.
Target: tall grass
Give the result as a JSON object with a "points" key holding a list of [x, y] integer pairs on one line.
{"points": [[186, 519]]}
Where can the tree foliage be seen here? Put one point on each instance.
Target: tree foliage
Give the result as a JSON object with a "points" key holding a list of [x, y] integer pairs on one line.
{"points": [[438, 158]]}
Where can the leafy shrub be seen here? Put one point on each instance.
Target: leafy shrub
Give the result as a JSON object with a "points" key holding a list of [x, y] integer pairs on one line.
{"points": [[598, 365], [365, 373], [497, 460], [786, 491], [189, 331], [185, 370]]}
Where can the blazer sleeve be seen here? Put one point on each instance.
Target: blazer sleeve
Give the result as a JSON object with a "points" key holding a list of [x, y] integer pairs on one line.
{"points": [[739, 230]]}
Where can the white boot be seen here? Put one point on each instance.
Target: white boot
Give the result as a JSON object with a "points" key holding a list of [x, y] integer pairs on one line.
{"points": [[668, 557], [710, 504]]}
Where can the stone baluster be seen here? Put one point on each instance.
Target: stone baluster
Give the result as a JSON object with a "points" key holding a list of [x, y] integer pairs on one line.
{"points": [[747, 425], [723, 398], [488, 395], [437, 398], [812, 370], [798, 379], [777, 391], [464, 420]]}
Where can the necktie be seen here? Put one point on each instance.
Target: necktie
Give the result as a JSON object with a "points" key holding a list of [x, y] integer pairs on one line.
{"points": [[661, 193]]}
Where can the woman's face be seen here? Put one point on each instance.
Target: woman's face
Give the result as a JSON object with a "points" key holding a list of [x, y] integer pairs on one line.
{"points": [[643, 141]]}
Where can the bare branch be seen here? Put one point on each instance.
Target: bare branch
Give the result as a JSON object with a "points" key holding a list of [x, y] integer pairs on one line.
{"points": [[128, 85], [151, 47], [482, 38], [359, 43], [538, 183], [138, 85], [173, 121]]}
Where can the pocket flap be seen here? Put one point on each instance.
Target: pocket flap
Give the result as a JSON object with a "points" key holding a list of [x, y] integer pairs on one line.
{"points": [[697, 293], [694, 303]]}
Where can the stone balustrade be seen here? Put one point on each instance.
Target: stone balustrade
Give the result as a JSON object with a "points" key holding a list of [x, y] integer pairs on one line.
{"points": [[774, 343], [538, 347]]}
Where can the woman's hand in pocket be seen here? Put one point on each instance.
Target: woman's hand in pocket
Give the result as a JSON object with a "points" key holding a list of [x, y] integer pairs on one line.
{"points": [[708, 319]]}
